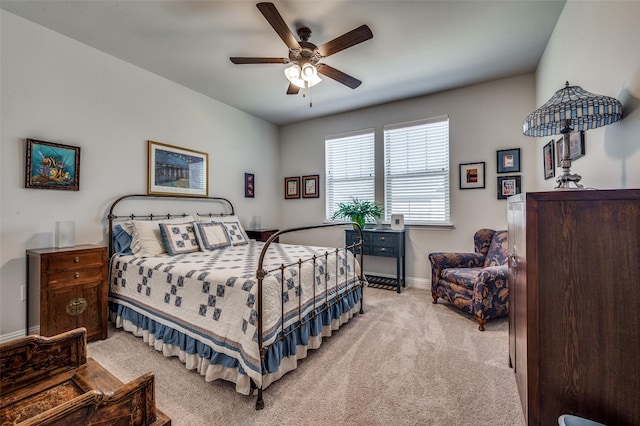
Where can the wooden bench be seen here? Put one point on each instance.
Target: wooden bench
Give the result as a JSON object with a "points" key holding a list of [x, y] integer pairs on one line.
{"points": [[50, 381]]}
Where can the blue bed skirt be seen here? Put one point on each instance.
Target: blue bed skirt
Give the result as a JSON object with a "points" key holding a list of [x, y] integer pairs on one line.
{"points": [[312, 325]]}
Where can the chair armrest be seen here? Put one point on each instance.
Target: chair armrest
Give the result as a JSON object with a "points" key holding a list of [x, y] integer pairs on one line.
{"points": [[491, 294], [444, 260]]}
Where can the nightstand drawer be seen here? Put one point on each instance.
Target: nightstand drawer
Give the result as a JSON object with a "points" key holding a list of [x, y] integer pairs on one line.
{"points": [[71, 278], [77, 260]]}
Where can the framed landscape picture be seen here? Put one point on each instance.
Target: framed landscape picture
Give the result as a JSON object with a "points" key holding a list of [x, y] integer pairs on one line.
{"points": [[52, 166], [177, 171], [472, 175]]}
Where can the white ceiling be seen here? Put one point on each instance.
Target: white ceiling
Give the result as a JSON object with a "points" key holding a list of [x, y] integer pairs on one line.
{"points": [[418, 47]]}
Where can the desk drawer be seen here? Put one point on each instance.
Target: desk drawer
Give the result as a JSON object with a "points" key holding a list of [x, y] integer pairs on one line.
{"points": [[382, 251], [383, 239]]}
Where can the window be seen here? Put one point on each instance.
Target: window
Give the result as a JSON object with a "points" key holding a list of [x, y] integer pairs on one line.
{"points": [[416, 171], [350, 168]]}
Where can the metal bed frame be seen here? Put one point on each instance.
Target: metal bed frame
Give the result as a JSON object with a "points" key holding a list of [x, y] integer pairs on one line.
{"points": [[261, 273]]}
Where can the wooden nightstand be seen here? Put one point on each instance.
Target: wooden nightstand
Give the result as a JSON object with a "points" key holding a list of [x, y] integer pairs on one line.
{"points": [[71, 287], [262, 234]]}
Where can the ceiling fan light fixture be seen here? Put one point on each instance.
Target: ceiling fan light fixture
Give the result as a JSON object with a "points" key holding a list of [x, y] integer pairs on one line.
{"points": [[310, 75], [293, 75]]}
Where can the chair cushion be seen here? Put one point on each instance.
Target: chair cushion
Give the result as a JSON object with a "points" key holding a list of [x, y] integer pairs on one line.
{"points": [[464, 277], [498, 250]]}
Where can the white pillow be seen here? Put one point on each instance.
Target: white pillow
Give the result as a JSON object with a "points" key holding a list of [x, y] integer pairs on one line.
{"points": [[179, 238], [236, 232], [212, 235], [146, 239]]}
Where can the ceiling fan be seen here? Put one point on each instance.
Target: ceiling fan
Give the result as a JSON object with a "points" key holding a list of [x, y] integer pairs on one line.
{"points": [[304, 55]]}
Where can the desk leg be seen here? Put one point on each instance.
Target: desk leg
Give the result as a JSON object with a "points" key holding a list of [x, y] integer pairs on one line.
{"points": [[398, 273], [404, 273]]}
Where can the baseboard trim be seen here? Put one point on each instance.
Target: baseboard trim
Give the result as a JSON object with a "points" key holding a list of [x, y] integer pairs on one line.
{"points": [[18, 333]]}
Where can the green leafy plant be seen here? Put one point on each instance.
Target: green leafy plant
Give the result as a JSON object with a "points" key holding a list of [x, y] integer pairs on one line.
{"points": [[358, 211]]}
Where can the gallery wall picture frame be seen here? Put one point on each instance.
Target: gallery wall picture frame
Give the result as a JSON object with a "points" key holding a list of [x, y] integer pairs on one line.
{"points": [[472, 175], [548, 160], [177, 171], [576, 147], [249, 185], [311, 186], [52, 165], [292, 187], [509, 160], [508, 186]]}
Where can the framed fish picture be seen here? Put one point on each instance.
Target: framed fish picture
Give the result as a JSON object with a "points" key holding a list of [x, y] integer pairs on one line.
{"points": [[52, 166]]}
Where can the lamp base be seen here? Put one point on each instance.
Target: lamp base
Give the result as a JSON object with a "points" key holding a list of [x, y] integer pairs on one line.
{"points": [[565, 180]]}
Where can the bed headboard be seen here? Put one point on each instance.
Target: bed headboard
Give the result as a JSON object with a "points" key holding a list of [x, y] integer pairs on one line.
{"points": [[150, 207]]}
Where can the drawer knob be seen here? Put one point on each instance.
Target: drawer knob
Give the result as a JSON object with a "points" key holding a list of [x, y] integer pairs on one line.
{"points": [[381, 238], [76, 306], [383, 249], [76, 259], [76, 275]]}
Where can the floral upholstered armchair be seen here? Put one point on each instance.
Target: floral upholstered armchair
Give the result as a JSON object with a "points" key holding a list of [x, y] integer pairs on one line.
{"points": [[474, 282]]}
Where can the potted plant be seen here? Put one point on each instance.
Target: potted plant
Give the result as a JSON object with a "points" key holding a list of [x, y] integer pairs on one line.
{"points": [[358, 211]]}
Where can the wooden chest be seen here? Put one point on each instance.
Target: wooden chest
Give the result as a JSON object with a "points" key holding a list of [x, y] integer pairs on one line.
{"points": [[50, 381]]}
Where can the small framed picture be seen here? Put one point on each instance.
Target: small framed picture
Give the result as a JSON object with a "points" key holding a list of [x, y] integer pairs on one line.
{"points": [[548, 159], [472, 175], [52, 166], [292, 187], [508, 186], [576, 147], [249, 185], [310, 186], [509, 160]]}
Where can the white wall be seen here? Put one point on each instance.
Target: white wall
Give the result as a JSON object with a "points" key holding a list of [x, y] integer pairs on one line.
{"points": [[596, 45], [56, 89], [483, 119]]}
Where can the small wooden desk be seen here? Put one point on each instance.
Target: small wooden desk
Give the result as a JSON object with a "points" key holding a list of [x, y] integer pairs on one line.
{"points": [[384, 243]]}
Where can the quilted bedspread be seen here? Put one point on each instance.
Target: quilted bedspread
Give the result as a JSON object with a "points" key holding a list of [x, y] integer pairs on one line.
{"points": [[212, 296]]}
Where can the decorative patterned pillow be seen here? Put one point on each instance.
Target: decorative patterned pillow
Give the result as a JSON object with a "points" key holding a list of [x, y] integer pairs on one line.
{"points": [[236, 233], [212, 235], [179, 238], [147, 240]]}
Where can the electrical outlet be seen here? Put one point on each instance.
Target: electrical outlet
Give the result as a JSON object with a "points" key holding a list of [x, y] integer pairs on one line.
{"points": [[22, 293]]}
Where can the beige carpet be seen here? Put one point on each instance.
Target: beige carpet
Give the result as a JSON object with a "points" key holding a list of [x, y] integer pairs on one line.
{"points": [[404, 362]]}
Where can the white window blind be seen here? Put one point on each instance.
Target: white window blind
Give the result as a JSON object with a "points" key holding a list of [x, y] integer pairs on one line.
{"points": [[416, 171], [350, 168]]}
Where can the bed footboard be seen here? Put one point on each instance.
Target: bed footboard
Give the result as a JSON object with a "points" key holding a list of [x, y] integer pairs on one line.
{"points": [[328, 301]]}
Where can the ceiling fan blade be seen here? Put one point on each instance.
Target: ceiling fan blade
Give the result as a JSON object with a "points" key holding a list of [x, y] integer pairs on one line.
{"points": [[338, 76], [237, 60], [353, 37], [274, 18], [293, 89]]}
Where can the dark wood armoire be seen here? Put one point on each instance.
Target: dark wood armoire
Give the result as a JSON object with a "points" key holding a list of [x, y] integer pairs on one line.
{"points": [[574, 291]]}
